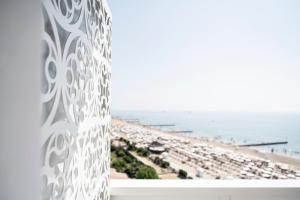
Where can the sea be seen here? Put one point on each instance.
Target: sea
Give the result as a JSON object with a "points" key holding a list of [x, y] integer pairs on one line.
{"points": [[229, 127]]}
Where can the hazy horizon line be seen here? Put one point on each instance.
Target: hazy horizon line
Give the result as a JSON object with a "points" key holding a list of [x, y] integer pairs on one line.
{"points": [[212, 111]]}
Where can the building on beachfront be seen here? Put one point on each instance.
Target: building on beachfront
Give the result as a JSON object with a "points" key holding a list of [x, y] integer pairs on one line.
{"points": [[156, 147]]}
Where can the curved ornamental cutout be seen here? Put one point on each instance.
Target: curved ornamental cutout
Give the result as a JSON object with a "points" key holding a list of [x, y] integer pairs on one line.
{"points": [[75, 103]]}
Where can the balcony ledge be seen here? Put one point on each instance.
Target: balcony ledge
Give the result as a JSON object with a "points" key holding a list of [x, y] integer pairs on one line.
{"points": [[205, 189]]}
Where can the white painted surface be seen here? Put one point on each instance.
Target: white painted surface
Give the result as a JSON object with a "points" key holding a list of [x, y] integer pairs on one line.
{"points": [[20, 33], [207, 190]]}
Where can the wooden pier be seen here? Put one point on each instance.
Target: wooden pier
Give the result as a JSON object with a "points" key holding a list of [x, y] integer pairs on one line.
{"points": [[180, 131], [132, 120], [263, 144], [159, 125]]}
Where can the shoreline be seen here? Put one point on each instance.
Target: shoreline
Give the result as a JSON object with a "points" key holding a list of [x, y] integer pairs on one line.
{"points": [[247, 150], [136, 130]]}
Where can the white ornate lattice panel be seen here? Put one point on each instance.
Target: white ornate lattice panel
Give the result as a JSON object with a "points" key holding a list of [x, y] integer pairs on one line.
{"points": [[76, 99]]}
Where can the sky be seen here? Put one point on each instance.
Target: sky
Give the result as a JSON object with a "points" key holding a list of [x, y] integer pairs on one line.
{"points": [[196, 55]]}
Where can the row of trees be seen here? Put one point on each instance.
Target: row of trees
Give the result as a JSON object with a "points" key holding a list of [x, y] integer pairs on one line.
{"points": [[160, 162], [140, 151], [145, 172], [124, 162]]}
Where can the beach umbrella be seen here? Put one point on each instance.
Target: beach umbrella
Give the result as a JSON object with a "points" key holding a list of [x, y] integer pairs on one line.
{"points": [[229, 177], [164, 155], [254, 168], [284, 167], [243, 172], [271, 165], [268, 172], [275, 175], [282, 177], [246, 169], [250, 175], [269, 169], [199, 172], [291, 176], [266, 175]]}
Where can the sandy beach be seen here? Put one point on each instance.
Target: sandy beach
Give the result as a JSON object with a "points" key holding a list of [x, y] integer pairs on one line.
{"points": [[208, 158]]}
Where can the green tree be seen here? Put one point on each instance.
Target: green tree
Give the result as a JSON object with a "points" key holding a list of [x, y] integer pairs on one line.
{"points": [[128, 159], [131, 147], [182, 174], [165, 164], [131, 171], [146, 172], [161, 162], [112, 148], [119, 165], [143, 152], [120, 152], [157, 160]]}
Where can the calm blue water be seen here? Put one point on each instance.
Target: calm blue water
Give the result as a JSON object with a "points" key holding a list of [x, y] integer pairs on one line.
{"points": [[242, 127]]}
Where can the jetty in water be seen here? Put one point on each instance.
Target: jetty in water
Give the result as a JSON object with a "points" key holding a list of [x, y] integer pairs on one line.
{"points": [[159, 125], [180, 131], [263, 144], [132, 120]]}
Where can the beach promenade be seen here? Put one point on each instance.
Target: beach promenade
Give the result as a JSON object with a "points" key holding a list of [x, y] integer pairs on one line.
{"points": [[204, 158]]}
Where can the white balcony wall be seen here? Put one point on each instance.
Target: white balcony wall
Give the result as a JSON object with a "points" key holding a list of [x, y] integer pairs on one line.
{"points": [[20, 31]]}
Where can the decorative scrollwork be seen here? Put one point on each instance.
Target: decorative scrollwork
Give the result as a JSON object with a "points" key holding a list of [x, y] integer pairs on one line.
{"points": [[75, 99]]}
